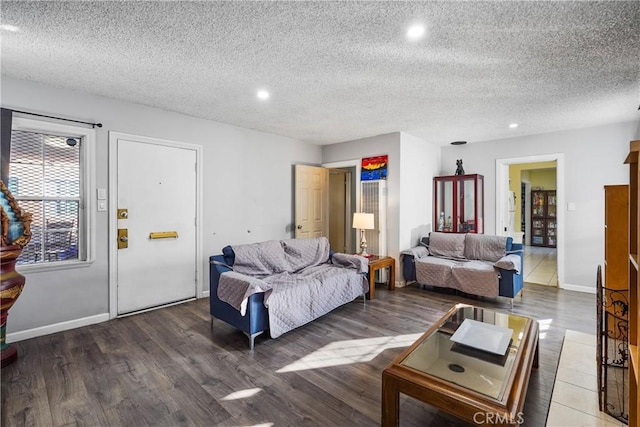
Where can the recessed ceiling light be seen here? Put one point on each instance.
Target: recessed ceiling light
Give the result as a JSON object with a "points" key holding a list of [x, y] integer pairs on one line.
{"points": [[415, 32], [458, 142], [11, 28], [263, 94], [513, 125]]}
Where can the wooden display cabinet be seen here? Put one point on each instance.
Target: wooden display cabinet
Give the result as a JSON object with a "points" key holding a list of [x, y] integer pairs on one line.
{"points": [[616, 239], [634, 243], [543, 218], [458, 203]]}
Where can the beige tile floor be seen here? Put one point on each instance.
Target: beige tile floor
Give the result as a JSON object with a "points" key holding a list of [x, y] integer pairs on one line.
{"points": [[540, 266], [574, 401]]}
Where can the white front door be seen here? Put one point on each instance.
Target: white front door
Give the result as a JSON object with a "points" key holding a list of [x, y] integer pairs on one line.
{"points": [[311, 201], [157, 185]]}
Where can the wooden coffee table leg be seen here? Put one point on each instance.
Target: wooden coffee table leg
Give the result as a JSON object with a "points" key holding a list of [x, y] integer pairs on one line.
{"points": [[392, 276], [390, 402]]}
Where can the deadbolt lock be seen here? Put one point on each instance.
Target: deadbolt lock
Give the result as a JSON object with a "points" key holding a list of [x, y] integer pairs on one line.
{"points": [[123, 213], [123, 238]]}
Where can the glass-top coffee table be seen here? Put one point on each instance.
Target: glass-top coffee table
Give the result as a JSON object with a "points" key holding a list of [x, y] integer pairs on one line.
{"points": [[473, 363]]}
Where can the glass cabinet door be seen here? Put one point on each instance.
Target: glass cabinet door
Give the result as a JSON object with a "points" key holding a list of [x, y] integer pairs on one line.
{"points": [[444, 205], [551, 205], [537, 232], [480, 205], [468, 206], [551, 232], [537, 204]]}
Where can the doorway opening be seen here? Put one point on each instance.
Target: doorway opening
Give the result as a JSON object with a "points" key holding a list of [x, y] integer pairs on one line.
{"points": [[341, 233], [544, 258], [344, 198]]}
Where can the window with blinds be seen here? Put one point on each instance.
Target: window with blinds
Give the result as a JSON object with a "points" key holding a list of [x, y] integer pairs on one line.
{"points": [[45, 178]]}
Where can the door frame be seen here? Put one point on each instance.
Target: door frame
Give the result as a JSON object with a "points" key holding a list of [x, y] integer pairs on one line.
{"points": [[502, 188], [527, 210], [348, 164], [113, 207]]}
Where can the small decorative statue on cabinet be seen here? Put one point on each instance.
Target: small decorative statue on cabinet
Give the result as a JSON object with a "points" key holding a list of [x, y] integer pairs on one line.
{"points": [[459, 169]]}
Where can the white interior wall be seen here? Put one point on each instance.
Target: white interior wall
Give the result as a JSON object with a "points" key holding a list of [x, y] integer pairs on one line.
{"points": [[593, 158], [241, 206], [419, 163], [368, 147], [247, 193]]}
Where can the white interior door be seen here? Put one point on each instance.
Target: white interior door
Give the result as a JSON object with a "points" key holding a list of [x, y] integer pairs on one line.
{"points": [[157, 184], [311, 201]]}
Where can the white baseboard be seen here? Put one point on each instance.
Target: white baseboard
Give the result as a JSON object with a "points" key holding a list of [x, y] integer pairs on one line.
{"points": [[578, 288], [63, 326], [56, 327]]}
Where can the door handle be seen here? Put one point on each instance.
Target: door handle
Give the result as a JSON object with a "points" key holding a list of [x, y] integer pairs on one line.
{"points": [[163, 235], [299, 227], [123, 238]]}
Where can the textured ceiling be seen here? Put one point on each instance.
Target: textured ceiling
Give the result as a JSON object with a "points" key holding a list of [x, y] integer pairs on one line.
{"points": [[339, 71]]}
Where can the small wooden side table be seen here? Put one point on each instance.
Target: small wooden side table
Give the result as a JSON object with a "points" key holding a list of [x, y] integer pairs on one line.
{"points": [[375, 264]]}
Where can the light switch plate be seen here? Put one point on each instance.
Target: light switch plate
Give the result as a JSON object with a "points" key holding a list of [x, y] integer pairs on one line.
{"points": [[571, 206], [102, 194], [102, 205]]}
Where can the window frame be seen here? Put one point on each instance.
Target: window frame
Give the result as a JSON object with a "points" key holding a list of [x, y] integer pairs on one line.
{"points": [[87, 212]]}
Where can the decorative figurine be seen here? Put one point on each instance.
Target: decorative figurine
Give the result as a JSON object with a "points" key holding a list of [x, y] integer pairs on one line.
{"points": [[15, 233], [459, 169]]}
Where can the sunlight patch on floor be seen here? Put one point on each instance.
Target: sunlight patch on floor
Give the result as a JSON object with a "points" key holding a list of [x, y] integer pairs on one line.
{"points": [[349, 351], [242, 394], [544, 324]]}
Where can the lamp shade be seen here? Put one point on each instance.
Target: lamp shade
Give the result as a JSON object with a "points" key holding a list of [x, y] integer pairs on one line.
{"points": [[363, 221]]}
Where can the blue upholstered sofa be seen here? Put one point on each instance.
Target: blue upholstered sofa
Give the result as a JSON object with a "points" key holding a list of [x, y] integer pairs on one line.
{"points": [[280, 285], [476, 264]]}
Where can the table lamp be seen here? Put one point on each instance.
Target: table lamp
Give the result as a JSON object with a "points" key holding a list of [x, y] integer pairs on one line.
{"points": [[363, 221]]}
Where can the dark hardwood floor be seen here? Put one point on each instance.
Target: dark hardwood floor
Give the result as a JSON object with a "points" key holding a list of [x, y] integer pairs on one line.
{"points": [[168, 367]]}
